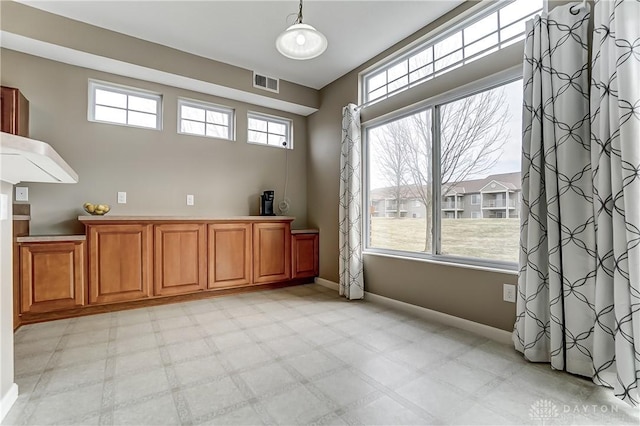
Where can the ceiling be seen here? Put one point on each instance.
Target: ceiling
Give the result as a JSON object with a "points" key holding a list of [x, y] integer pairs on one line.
{"points": [[242, 33]]}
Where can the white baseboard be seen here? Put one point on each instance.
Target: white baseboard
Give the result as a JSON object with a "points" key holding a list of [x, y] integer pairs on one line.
{"points": [[327, 284], [487, 331], [8, 400]]}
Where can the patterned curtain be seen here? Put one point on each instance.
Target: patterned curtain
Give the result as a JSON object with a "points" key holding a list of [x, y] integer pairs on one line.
{"points": [[351, 267], [578, 303], [556, 285], [615, 150]]}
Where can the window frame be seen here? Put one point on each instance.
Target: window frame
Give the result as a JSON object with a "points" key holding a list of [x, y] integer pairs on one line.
{"points": [[288, 123], [467, 19], [94, 85], [435, 103], [207, 106]]}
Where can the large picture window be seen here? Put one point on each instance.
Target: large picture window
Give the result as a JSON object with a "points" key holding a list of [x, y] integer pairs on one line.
{"points": [[444, 180], [400, 169]]}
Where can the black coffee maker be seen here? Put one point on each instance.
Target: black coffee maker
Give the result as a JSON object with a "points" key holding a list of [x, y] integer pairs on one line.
{"points": [[266, 203]]}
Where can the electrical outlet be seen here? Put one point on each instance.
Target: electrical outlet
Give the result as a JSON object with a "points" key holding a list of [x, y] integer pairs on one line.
{"points": [[22, 193], [122, 198], [509, 293], [190, 200]]}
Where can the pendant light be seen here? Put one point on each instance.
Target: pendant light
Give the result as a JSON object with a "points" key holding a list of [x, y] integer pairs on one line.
{"points": [[301, 41]]}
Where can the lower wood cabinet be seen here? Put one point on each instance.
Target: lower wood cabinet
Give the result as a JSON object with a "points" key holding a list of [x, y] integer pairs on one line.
{"points": [[271, 252], [120, 262], [20, 229], [229, 254], [180, 259], [126, 260], [52, 276], [304, 255]]}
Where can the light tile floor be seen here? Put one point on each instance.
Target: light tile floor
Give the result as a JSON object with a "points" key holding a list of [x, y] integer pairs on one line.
{"points": [[297, 355]]}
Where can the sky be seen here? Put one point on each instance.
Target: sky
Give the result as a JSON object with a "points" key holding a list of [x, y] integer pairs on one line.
{"points": [[480, 35], [509, 160]]}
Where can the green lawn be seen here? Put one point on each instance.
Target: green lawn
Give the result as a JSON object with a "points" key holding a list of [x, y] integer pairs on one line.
{"points": [[485, 238]]}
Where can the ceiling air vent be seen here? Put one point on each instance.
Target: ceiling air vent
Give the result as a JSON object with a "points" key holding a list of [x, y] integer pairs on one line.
{"points": [[267, 83]]}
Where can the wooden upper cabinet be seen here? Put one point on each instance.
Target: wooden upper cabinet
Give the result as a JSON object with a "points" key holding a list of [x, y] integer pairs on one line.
{"points": [[229, 254], [271, 252], [180, 259], [120, 262], [52, 276], [14, 110], [304, 255]]}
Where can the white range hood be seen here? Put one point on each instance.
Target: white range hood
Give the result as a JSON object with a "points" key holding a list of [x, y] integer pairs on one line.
{"points": [[29, 160], [21, 160]]}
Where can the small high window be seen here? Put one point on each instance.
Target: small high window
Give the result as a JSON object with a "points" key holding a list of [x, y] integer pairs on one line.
{"points": [[492, 29], [115, 104], [205, 119], [269, 130]]}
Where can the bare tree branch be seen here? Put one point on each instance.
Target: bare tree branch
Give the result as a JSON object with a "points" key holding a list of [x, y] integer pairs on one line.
{"points": [[473, 134]]}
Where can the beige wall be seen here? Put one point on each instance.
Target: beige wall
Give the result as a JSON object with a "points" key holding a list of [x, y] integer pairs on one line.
{"points": [[471, 294], [157, 169], [468, 293]]}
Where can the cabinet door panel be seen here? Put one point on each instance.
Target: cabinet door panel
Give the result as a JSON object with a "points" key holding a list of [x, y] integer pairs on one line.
{"points": [[229, 254], [272, 252], [120, 262], [304, 251], [180, 262], [52, 276], [14, 112]]}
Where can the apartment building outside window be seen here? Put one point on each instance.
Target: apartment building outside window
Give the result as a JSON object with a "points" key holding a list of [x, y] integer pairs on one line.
{"points": [[453, 160], [466, 178]]}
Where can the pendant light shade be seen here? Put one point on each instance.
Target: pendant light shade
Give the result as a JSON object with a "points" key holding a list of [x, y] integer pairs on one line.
{"points": [[301, 41]]}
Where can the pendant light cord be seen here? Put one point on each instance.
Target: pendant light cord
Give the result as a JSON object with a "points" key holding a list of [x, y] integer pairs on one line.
{"points": [[284, 204], [300, 14]]}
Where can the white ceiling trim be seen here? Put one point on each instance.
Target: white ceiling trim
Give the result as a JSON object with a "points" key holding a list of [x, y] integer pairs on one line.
{"points": [[100, 63], [243, 33]]}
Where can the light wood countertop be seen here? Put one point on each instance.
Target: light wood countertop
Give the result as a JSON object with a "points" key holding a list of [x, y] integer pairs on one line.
{"points": [[50, 238], [107, 218]]}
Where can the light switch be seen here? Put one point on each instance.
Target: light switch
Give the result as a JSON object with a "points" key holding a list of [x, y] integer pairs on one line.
{"points": [[22, 193], [122, 198], [509, 293], [190, 200]]}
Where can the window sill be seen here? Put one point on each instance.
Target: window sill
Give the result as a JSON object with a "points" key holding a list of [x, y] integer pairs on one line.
{"points": [[450, 263]]}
